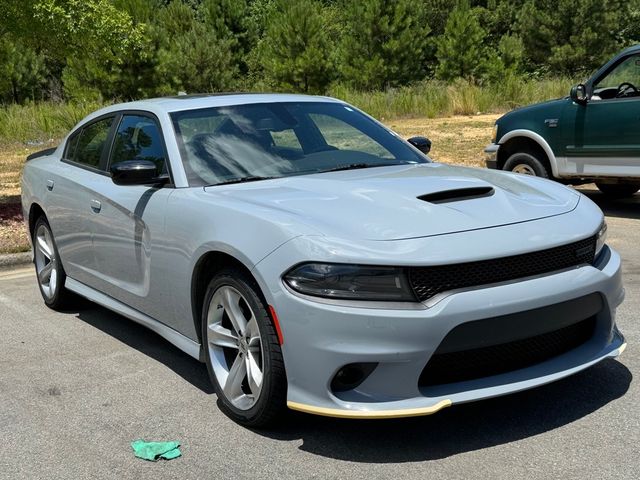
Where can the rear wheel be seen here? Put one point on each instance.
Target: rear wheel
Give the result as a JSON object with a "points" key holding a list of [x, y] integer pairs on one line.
{"points": [[527, 164], [51, 276], [243, 354], [618, 190]]}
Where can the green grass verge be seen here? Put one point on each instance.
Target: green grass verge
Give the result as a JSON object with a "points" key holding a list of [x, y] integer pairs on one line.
{"points": [[436, 99], [40, 122]]}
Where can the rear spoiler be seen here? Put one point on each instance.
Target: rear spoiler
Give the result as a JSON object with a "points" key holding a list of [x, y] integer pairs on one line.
{"points": [[42, 153]]}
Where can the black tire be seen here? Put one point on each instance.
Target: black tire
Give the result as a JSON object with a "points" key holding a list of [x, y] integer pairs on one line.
{"points": [[526, 163], [271, 402], [618, 190], [58, 297]]}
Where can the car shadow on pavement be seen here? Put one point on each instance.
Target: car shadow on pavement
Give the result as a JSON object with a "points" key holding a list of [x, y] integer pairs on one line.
{"points": [[461, 428], [147, 342], [623, 207]]}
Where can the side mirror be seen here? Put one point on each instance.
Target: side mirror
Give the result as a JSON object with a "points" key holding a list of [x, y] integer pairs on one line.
{"points": [[579, 94], [135, 172], [421, 143]]}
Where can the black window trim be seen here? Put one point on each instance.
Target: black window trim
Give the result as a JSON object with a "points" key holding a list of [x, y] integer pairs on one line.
{"points": [[105, 157], [152, 116], [101, 169]]}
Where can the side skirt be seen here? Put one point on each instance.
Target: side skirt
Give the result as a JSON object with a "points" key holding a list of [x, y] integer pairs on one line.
{"points": [[185, 344]]}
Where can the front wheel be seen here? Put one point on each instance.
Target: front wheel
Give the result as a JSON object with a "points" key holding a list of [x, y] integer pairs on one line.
{"points": [[526, 164], [243, 354], [618, 190]]}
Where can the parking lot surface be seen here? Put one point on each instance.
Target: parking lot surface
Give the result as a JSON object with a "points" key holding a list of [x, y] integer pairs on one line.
{"points": [[77, 387]]}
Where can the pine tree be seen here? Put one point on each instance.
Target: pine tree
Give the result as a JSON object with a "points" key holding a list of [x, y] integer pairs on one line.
{"points": [[563, 36], [230, 20], [295, 53], [384, 43], [22, 71], [193, 56], [461, 49]]}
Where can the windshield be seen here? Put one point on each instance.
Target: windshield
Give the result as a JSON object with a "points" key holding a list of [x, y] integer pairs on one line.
{"points": [[270, 140]]}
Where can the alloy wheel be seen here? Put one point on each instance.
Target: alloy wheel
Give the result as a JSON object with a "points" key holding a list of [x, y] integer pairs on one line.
{"points": [[46, 264], [235, 347]]}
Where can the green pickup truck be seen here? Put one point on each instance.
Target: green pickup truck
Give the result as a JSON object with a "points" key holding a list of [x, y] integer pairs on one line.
{"points": [[593, 135]]}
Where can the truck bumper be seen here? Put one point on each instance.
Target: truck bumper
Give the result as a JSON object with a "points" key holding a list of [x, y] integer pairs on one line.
{"points": [[491, 158]]}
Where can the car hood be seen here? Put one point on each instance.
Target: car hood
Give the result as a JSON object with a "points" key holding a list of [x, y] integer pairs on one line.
{"points": [[550, 108], [383, 203]]}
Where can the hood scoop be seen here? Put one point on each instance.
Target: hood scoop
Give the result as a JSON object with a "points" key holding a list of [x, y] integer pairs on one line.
{"points": [[457, 194]]}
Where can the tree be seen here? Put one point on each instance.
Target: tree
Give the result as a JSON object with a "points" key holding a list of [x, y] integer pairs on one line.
{"points": [[125, 73], [384, 43], [22, 71], [231, 21], [193, 56], [461, 49], [94, 27], [295, 52], [566, 37]]}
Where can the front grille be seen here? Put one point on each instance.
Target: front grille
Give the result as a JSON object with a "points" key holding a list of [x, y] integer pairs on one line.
{"points": [[482, 362], [429, 281]]}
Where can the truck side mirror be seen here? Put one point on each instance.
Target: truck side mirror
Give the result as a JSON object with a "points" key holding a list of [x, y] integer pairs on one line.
{"points": [[579, 94]]}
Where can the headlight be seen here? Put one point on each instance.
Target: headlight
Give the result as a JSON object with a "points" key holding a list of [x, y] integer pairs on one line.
{"points": [[357, 282], [601, 238], [494, 135]]}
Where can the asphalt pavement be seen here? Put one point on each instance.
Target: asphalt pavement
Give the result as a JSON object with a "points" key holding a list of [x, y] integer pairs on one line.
{"points": [[77, 387]]}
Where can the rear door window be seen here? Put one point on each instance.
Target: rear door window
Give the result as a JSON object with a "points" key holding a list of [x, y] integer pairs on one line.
{"points": [[88, 146]]}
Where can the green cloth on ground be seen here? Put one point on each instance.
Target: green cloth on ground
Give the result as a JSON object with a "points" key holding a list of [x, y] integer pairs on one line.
{"points": [[154, 450]]}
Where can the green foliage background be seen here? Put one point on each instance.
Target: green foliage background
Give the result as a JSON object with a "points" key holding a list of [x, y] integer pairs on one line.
{"points": [[105, 50]]}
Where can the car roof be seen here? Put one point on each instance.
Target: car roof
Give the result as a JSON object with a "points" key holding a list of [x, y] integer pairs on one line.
{"points": [[632, 49], [196, 101]]}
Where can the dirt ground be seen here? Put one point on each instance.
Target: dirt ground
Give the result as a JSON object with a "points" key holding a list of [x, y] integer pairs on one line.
{"points": [[458, 140]]}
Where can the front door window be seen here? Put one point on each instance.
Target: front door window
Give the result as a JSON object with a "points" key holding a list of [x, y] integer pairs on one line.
{"points": [[621, 82], [139, 138]]}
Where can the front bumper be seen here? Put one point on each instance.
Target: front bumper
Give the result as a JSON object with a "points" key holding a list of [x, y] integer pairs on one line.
{"points": [[491, 156], [321, 338]]}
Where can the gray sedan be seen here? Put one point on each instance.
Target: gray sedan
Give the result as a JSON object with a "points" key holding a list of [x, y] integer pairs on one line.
{"points": [[313, 259]]}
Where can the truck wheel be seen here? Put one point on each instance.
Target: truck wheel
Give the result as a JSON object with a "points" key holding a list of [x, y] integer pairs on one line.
{"points": [[526, 164], [618, 190]]}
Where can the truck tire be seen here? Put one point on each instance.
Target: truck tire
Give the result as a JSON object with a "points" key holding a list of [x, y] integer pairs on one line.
{"points": [[527, 164]]}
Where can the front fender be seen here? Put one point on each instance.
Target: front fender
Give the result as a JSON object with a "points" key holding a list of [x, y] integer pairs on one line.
{"points": [[539, 139]]}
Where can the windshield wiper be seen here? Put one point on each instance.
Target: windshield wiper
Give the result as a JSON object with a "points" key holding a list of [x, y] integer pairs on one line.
{"points": [[355, 166], [351, 166], [249, 178]]}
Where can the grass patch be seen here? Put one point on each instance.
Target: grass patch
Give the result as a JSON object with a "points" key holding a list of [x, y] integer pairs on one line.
{"points": [[433, 99], [41, 122]]}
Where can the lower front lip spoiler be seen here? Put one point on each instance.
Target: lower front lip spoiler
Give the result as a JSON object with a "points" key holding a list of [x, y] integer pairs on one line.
{"points": [[372, 414]]}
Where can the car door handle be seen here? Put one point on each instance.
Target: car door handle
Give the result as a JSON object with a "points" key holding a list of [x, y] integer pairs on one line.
{"points": [[49, 185], [96, 206]]}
